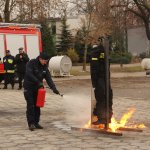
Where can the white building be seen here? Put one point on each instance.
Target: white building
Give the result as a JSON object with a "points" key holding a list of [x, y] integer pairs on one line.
{"points": [[137, 40]]}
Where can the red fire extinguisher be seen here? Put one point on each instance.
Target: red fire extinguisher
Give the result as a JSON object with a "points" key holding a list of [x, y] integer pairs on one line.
{"points": [[41, 97], [1, 68]]}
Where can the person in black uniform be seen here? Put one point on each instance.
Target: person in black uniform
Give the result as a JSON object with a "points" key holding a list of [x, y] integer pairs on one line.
{"points": [[36, 71], [21, 60], [98, 77], [9, 67]]}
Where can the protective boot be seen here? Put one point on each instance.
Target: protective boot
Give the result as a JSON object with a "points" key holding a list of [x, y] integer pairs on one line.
{"points": [[38, 126], [19, 88], [32, 127], [12, 85], [5, 87]]}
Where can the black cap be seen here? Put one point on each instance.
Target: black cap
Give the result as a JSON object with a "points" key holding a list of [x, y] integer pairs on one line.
{"points": [[44, 56], [21, 48]]}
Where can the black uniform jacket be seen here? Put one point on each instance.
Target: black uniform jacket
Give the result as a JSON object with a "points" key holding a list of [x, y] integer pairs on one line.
{"points": [[21, 62], [35, 73], [97, 64], [9, 62]]}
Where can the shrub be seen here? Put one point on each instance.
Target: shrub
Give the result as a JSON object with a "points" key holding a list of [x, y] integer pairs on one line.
{"points": [[143, 55], [73, 55], [136, 59], [123, 58]]}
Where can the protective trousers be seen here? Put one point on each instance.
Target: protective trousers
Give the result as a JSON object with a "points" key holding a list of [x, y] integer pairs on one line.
{"points": [[101, 102], [9, 78], [33, 112], [1, 77], [20, 77]]}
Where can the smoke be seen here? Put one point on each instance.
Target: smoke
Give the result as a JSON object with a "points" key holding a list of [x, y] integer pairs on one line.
{"points": [[77, 108]]}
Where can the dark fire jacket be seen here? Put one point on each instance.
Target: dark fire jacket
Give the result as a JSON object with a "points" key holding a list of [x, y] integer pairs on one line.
{"points": [[21, 62], [35, 73], [9, 64], [97, 64]]}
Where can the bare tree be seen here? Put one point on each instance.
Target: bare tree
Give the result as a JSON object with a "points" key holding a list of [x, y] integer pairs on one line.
{"points": [[103, 18], [8, 8], [97, 20], [29, 10], [1, 20], [141, 8], [86, 8]]}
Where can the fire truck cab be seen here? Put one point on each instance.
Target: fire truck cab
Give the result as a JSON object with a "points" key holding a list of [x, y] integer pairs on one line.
{"points": [[13, 36]]}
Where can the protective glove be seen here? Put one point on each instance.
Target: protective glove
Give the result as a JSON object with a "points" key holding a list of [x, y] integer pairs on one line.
{"points": [[40, 85], [56, 91]]}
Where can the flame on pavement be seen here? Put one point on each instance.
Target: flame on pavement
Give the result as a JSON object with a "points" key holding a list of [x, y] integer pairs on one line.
{"points": [[114, 125]]}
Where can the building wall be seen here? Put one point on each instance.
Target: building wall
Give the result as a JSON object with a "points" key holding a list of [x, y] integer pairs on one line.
{"points": [[137, 40], [58, 29], [74, 23]]}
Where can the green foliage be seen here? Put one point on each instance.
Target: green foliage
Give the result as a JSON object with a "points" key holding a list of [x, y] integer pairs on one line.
{"points": [[48, 42], [144, 55], [66, 39], [127, 69], [119, 54], [124, 58], [80, 51], [80, 44], [118, 35], [73, 55]]}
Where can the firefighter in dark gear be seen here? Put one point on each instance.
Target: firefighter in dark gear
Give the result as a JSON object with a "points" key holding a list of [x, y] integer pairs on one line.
{"points": [[9, 67], [98, 77], [36, 71], [21, 60]]}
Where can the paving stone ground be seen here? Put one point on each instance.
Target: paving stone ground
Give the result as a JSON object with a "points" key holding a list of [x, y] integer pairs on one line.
{"points": [[59, 114]]}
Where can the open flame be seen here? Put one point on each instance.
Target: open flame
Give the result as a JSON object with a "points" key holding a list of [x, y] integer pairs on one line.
{"points": [[114, 125]]}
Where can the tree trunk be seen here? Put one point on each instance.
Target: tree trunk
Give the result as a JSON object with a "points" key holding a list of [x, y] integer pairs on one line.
{"points": [[147, 28], [84, 58], [1, 20], [31, 10], [6, 11], [148, 48]]}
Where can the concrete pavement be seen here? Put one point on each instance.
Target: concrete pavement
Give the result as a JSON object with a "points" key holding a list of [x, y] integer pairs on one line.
{"points": [[58, 115]]}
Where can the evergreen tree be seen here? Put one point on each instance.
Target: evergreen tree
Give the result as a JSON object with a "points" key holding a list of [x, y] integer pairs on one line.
{"points": [[65, 40], [48, 41], [80, 44]]}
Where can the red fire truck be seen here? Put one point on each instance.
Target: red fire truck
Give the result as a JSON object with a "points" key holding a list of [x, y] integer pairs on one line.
{"points": [[13, 36]]}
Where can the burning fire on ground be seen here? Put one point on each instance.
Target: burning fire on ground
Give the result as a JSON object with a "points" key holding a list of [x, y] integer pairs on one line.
{"points": [[114, 125]]}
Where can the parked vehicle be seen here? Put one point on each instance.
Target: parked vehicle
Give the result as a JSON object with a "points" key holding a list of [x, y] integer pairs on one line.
{"points": [[13, 36]]}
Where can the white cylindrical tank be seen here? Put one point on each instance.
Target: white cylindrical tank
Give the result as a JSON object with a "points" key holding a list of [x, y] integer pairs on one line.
{"points": [[60, 65], [145, 63]]}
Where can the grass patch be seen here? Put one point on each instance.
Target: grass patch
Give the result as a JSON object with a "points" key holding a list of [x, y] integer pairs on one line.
{"points": [[79, 73], [127, 69]]}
